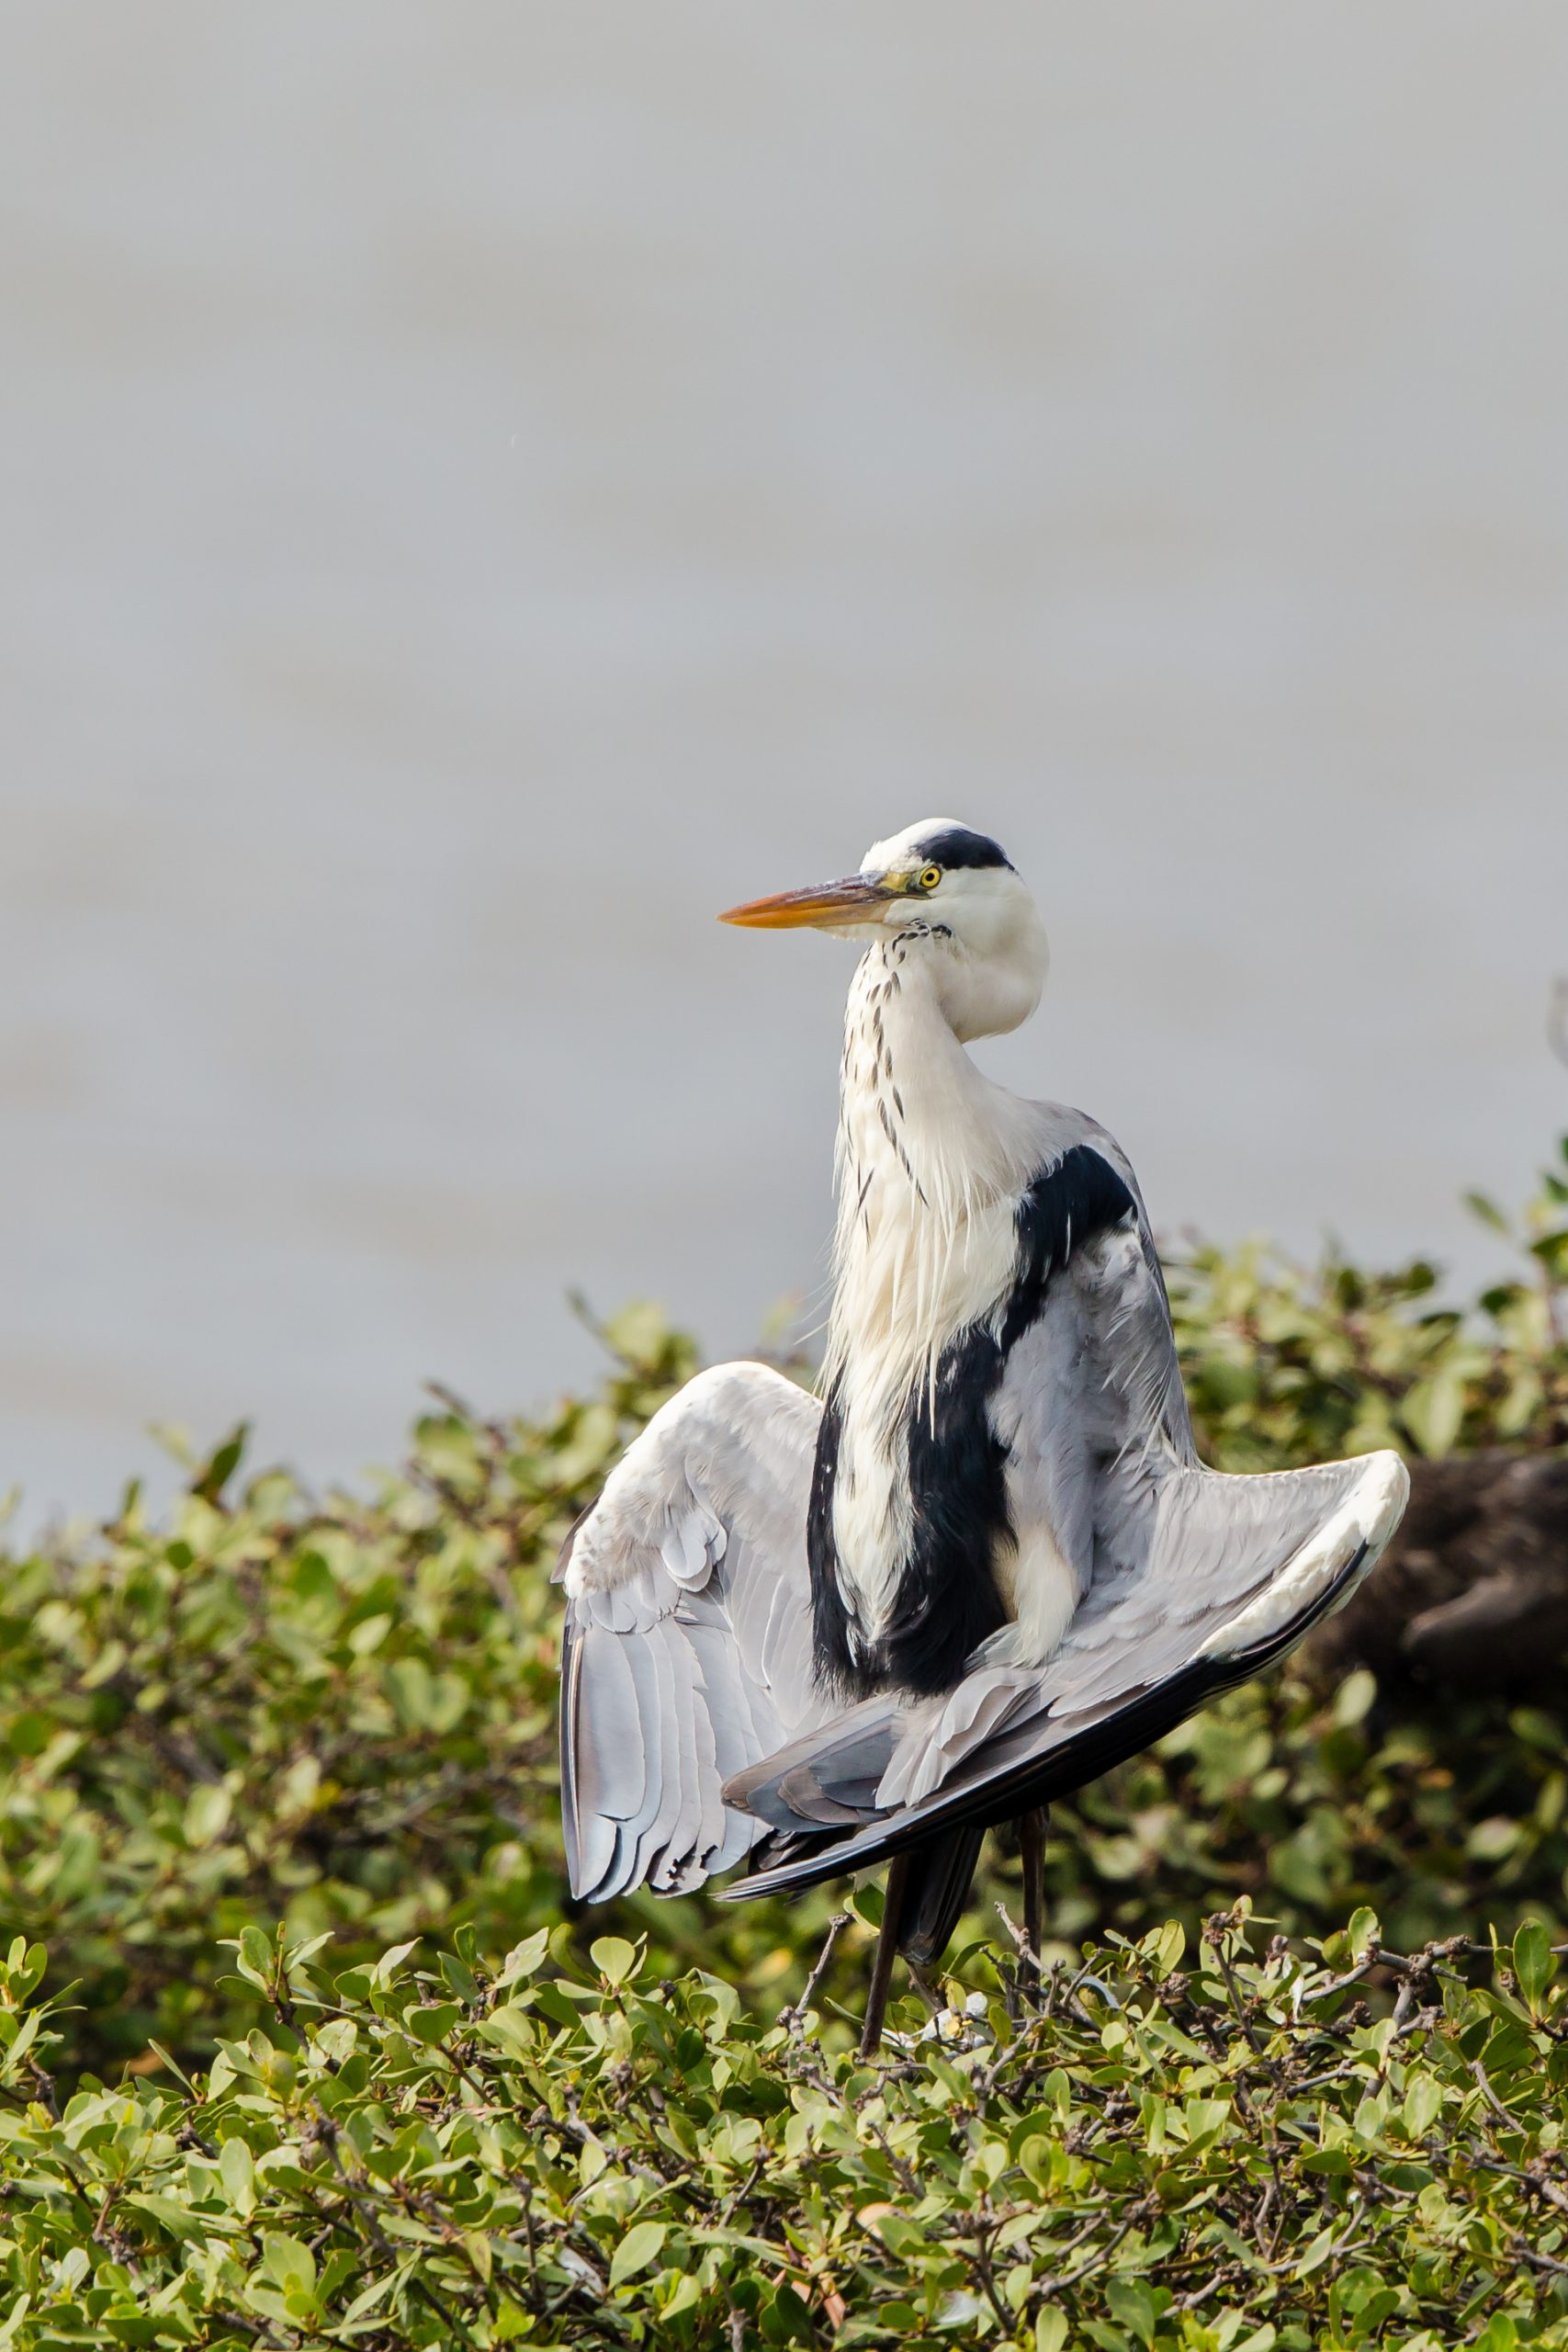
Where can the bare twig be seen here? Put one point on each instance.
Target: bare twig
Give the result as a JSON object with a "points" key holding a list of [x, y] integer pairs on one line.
{"points": [[794, 2015]]}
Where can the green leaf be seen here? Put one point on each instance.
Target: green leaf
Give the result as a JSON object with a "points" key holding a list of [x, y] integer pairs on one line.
{"points": [[524, 1959], [170, 2214], [1365, 1933], [1491, 1838], [207, 1809], [1423, 2104], [288, 2261], [551, 2000], [508, 2029], [613, 1958], [431, 2025], [1551, 1250], [1433, 1412], [238, 2170], [1131, 2303], [209, 1481], [1481, 1205], [640, 1333], [641, 2246], [786, 2320], [377, 2292], [1167, 1947], [1354, 1698], [1534, 1964], [1205, 2120]]}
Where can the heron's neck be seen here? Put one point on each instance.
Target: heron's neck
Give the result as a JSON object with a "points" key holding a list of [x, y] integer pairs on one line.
{"points": [[932, 1155]]}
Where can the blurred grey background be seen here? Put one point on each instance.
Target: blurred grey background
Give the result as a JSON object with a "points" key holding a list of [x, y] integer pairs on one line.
{"points": [[487, 484]]}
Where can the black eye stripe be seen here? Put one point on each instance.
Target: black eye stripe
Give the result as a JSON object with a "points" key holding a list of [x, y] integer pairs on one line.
{"points": [[958, 846]]}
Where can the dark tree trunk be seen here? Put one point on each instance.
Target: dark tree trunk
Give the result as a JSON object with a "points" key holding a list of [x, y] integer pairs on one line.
{"points": [[1472, 1593]]}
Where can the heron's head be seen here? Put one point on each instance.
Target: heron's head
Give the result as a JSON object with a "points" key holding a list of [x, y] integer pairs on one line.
{"points": [[955, 893]]}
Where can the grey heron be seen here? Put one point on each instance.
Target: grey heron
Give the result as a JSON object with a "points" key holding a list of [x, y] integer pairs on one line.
{"points": [[985, 1563]]}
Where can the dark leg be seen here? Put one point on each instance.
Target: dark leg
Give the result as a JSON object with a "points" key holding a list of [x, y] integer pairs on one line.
{"points": [[887, 1951], [1031, 1849]]}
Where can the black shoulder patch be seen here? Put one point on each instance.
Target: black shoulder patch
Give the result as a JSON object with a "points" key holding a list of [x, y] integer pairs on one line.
{"points": [[1067, 1205], [955, 845]]}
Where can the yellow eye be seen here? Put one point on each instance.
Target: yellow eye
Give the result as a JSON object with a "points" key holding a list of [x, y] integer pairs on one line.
{"points": [[931, 877]]}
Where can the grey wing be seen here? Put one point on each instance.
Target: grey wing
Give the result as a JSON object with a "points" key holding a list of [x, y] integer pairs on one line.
{"points": [[1239, 1570], [687, 1648]]}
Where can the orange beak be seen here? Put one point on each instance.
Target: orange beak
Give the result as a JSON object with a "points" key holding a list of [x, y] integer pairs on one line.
{"points": [[831, 906]]}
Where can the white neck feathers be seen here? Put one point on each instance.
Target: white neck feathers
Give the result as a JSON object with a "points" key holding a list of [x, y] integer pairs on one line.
{"points": [[931, 1160]]}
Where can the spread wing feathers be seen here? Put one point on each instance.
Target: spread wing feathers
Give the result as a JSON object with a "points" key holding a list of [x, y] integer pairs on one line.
{"points": [[1236, 1570], [687, 1653]]}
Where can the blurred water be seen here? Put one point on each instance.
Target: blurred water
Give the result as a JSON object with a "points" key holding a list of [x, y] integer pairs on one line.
{"points": [[484, 486]]}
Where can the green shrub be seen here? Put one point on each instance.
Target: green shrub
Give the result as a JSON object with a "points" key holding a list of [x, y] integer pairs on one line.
{"points": [[339, 1711], [1210, 2151], [337, 1714], [1285, 1368]]}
